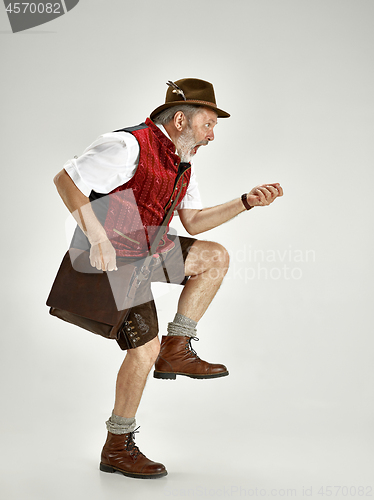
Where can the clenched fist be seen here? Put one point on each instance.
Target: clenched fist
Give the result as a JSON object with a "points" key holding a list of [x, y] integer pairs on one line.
{"points": [[103, 256], [264, 194]]}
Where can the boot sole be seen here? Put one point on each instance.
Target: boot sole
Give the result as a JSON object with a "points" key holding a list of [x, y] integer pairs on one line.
{"points": [[110, 469], [173, 375]]}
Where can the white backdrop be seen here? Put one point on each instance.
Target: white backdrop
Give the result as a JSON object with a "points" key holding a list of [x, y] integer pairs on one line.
{"points": [[292, 320]]}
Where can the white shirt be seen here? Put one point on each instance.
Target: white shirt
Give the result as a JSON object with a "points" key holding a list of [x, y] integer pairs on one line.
{"points": [[111, 161]]}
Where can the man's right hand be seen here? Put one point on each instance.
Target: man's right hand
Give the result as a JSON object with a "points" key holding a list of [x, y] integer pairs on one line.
{"points": [[103, 256]]}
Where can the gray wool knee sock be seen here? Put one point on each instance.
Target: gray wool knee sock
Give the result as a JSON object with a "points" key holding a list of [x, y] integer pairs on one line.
{"points": [[120, 425], [182, 326]]}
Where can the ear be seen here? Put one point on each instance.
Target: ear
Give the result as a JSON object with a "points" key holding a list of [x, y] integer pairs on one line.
{"points": [[180, 121]]}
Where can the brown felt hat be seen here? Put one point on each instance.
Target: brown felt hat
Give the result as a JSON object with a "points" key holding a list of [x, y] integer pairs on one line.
{"points": [[190, 91]]}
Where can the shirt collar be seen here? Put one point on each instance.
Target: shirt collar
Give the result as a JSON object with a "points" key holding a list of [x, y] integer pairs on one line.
{"points": [[163, 130]]}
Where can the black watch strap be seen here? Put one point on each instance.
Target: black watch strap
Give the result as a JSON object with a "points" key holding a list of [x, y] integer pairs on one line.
{"points": [[245, 202]]}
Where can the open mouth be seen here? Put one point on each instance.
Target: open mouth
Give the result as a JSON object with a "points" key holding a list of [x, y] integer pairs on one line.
{"points": [[197, 146]]}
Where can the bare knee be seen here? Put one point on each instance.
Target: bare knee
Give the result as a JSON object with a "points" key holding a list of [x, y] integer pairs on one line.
{"points": [[221, 256], [207, 256], [153, 350], [219, 261], [146, 354]]}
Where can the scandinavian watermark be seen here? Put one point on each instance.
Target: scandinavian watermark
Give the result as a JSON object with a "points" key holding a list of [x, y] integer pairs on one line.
{"points": [[111, 236], [248, 263]]}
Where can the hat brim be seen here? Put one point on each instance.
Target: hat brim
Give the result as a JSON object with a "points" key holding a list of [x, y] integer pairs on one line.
{"points": [[203, 104]]}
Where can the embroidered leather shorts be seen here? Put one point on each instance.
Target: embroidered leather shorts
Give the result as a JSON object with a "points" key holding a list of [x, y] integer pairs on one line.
{"points": [[142, 320]]}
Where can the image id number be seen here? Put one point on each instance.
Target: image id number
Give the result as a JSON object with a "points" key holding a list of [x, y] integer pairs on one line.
{"points": [[346, 491], [41, 8]]}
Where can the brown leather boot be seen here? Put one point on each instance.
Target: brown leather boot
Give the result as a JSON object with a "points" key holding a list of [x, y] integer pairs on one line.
{"points": [[121, 454], [177, 357]]}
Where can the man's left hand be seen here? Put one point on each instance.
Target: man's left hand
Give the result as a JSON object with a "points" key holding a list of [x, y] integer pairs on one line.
{"points": [[264, 194]]}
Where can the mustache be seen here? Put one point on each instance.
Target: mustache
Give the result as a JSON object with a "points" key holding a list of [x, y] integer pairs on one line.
{"points": [[202, 143]]}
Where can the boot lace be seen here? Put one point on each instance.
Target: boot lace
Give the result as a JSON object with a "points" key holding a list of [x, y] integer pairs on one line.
{"points": [[131, 446], [190, 348]]}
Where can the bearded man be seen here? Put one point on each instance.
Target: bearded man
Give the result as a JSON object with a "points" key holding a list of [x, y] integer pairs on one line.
{"points": [[153, 160]]}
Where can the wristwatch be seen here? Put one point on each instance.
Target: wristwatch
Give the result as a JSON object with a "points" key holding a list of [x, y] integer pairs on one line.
{"points": [[245, 202]]}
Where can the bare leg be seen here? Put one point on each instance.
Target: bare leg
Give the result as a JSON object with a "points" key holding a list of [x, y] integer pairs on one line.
{"points": [[120, 452], [207, 263], [132, 377]]}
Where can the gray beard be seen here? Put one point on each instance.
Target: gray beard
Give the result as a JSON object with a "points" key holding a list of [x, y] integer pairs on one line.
{"points": [[185, 144]]}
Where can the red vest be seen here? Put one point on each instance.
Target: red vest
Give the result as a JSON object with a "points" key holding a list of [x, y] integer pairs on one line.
{"points": [[137, 208]]}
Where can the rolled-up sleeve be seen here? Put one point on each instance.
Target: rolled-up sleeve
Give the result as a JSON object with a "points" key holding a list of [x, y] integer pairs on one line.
{"points": [[192, 197], [107, 163]]}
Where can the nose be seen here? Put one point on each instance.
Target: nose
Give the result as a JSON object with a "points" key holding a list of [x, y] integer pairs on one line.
{"points": [[210, 136]]}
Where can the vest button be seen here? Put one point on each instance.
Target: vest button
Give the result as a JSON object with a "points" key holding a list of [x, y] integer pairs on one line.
{"points": [[176, 163]]}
